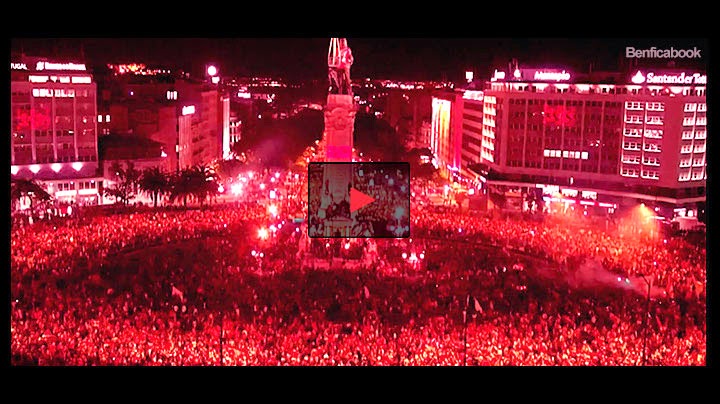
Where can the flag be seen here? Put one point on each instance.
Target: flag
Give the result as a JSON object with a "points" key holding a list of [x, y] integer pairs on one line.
{"points": [[478, 308], [367, 292], [178, 293]]}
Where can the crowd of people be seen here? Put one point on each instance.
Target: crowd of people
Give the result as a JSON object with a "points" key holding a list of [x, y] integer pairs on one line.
{"points": [[199, 287]]}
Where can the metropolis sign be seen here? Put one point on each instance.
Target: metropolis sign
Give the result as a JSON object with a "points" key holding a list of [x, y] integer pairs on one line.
{"points": [[534, 75], [551, 75], [673, 78]]}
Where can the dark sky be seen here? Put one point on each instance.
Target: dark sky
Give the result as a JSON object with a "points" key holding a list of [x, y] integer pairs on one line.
{"points": [[397, 58]]}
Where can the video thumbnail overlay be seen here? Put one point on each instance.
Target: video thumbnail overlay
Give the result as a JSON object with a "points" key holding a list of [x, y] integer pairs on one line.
{"points": [[359, 200]]}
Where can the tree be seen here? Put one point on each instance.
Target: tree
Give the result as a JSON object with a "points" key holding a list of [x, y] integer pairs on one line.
{"points": [[181, 186], [153, 182], [21, 188], [127, 180], [203, 183]]}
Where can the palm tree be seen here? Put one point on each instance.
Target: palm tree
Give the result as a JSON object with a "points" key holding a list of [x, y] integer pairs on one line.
{"points": [[127, 180], [31, 189], [180, 186], [203, 182], [153, 182]]}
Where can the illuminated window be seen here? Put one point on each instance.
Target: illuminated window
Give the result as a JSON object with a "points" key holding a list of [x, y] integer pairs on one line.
{"points": [[99, 118], [107, 118], [584, 155]]}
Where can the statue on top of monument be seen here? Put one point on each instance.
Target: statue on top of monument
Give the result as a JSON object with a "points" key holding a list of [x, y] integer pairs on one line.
{"points": [[339, 61]]}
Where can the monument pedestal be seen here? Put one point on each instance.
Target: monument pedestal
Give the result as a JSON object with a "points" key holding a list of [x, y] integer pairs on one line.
{"points": [[339, 126]]}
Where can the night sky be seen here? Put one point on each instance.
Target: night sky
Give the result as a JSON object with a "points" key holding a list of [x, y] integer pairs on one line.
{"points": [[393, 58]]}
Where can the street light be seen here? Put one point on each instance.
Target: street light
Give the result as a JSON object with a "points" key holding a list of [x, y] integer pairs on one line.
{"points": [[263, 234]]}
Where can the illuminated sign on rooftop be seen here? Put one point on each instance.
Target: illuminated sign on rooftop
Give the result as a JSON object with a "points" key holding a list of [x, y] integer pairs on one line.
{"points": [[188, 110], [498, 75], [59, 66], [533, 75], [551, 75], [18, 66], [672, 78]]}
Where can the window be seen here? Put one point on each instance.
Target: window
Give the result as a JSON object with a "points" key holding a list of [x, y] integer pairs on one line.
{"points": [[631, 159], [650, 174], [628, 172], [652, 161], [654, 133], [631, 145], [654, 120]]}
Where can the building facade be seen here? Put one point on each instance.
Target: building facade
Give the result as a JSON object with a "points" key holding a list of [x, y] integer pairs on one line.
{"points": [[635, 136], [446, 131], [53, 115], [472, 132], [190, 119]]}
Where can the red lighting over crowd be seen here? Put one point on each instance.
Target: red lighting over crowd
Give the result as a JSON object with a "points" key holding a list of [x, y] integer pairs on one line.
{"points": [[486, 255]]}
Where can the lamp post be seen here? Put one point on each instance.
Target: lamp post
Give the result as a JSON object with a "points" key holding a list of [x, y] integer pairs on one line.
{"points": [[647, 315], [222, 314], [467, 303]]}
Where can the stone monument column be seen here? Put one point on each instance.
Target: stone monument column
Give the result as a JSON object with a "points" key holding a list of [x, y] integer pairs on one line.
{"points": [[338, 136]]}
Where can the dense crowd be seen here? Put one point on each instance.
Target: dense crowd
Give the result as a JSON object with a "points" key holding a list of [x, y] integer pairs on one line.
{"points": [[171, 287], [389, 188]]}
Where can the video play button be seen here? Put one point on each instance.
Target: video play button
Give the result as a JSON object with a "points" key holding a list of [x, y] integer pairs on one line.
{"points": [[359, 199], [340, 195]]}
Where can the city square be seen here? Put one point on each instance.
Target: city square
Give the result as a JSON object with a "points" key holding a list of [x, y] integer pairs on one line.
{"points": [[184, 213]]}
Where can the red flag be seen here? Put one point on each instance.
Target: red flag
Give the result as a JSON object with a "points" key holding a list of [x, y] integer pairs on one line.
{"points": [[178, 293], [478, 308]]}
